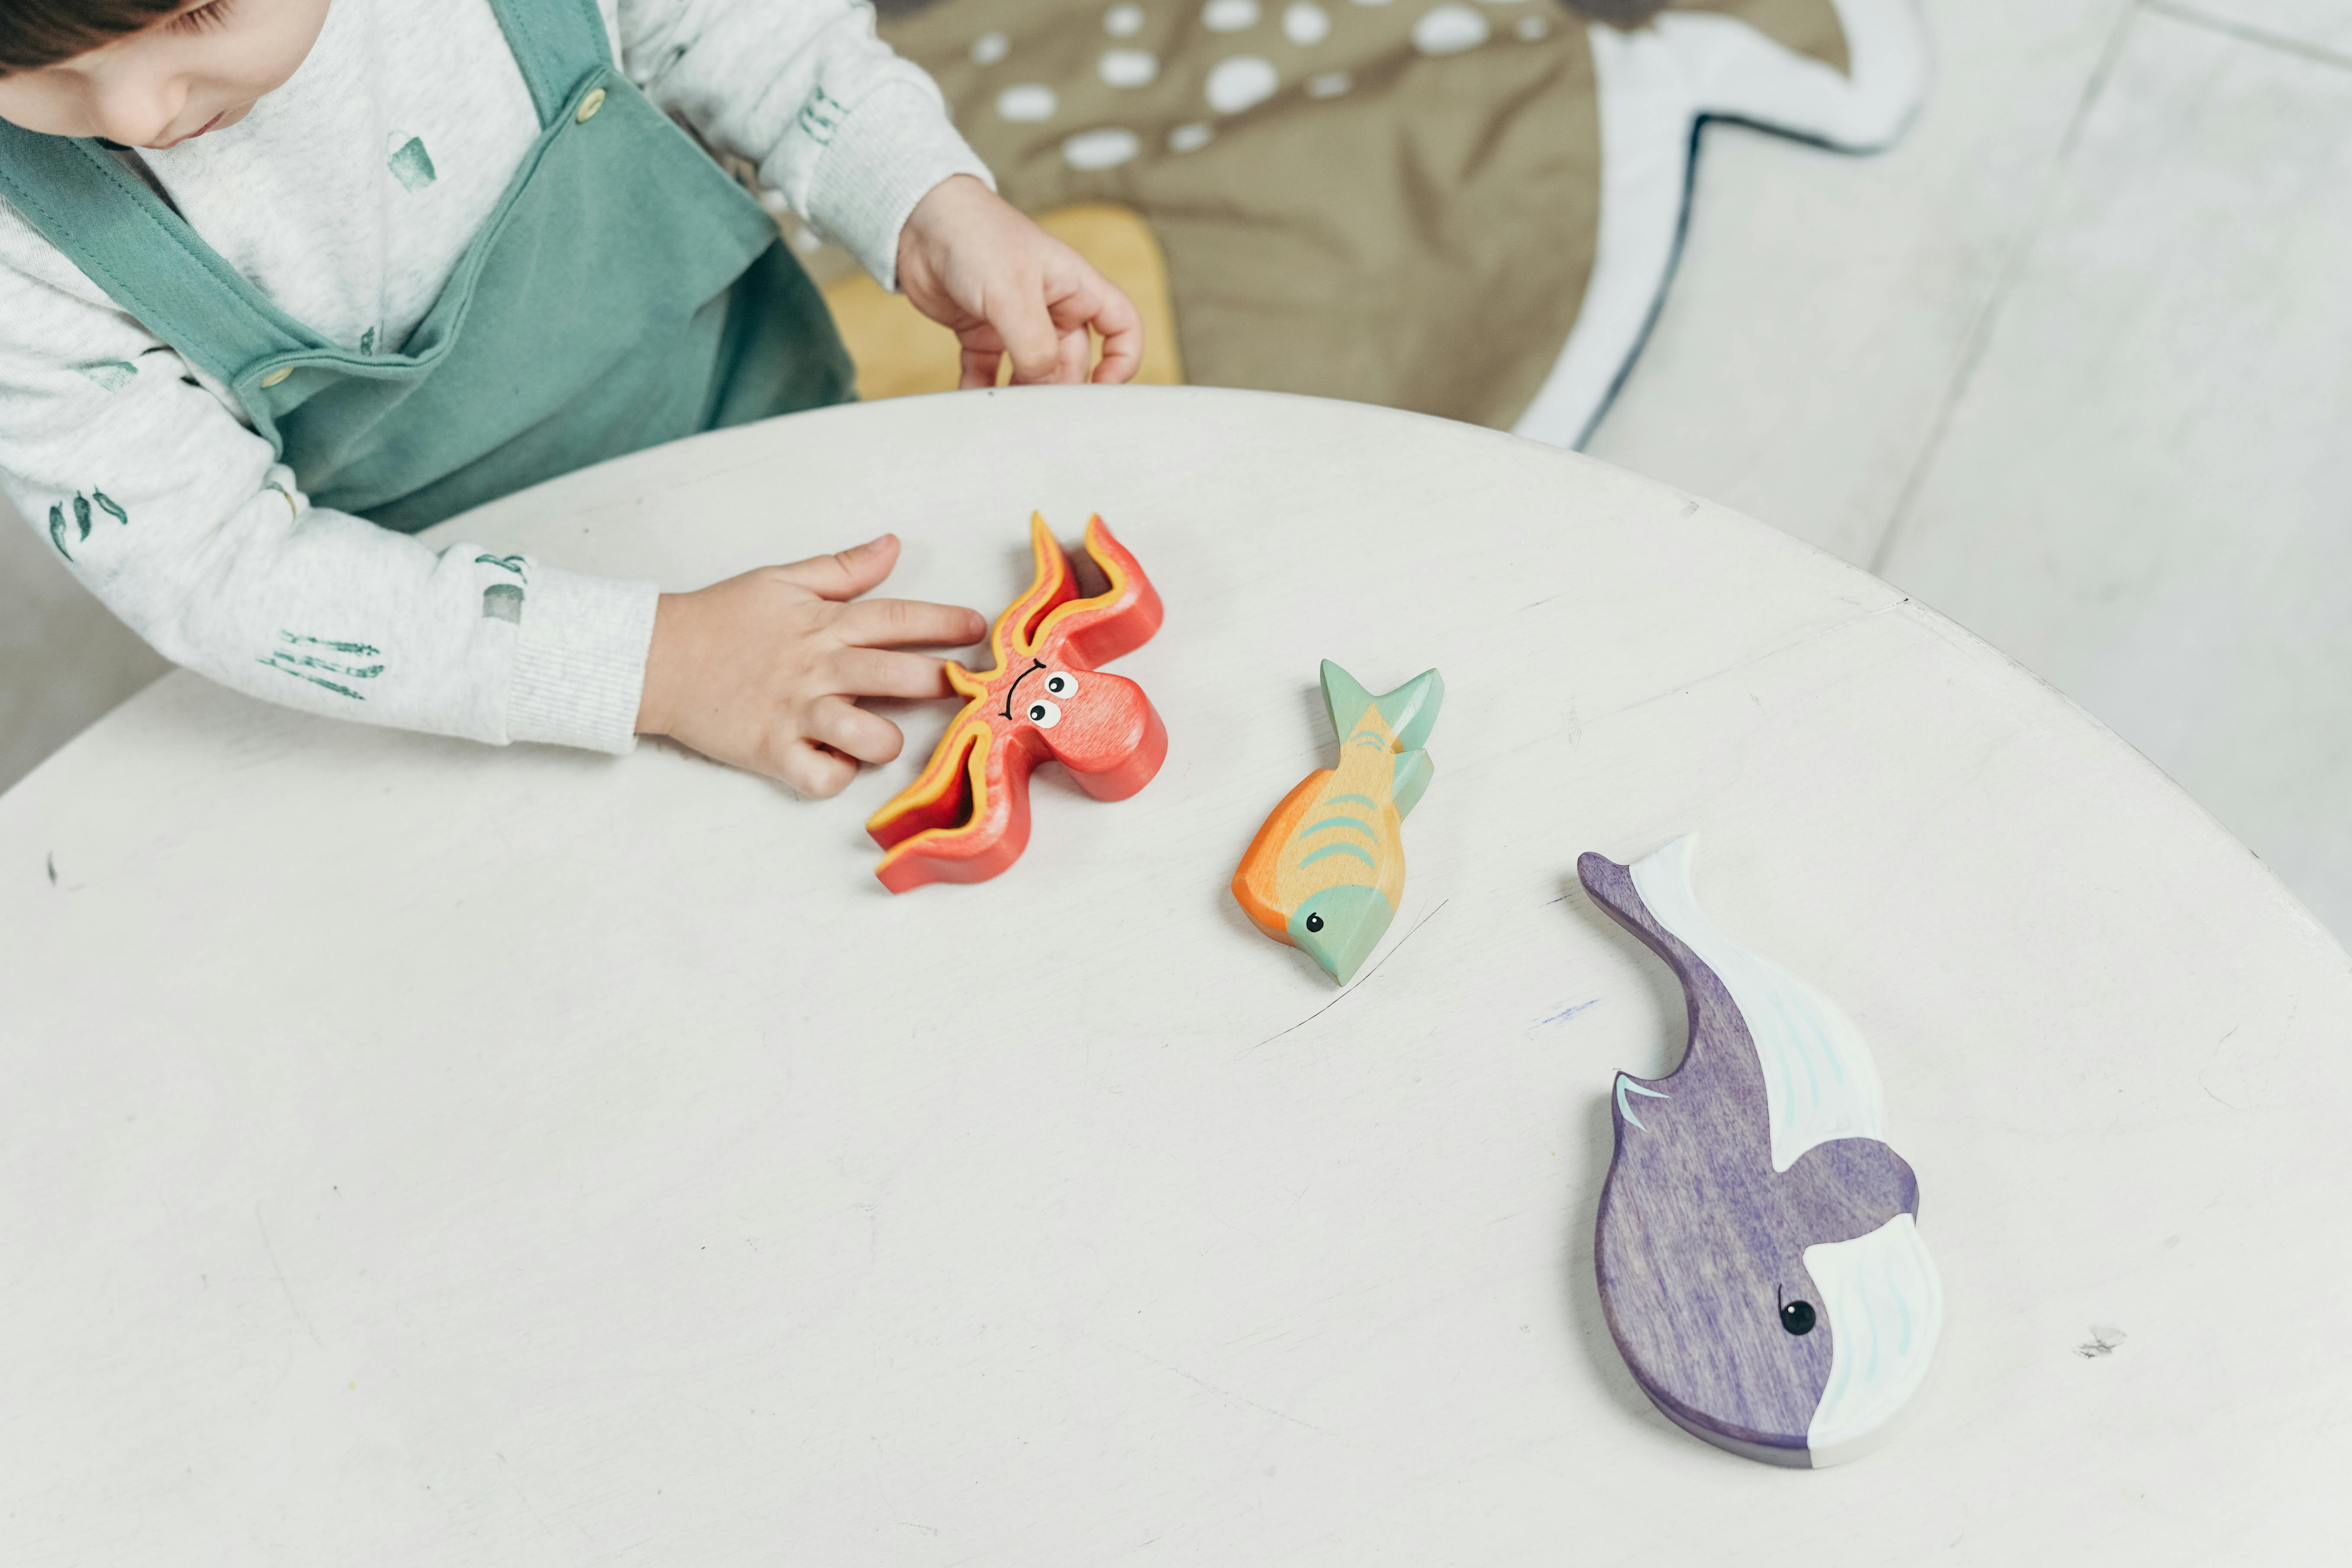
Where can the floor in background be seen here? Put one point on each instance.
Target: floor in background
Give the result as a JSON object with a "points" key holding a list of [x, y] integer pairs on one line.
{"points": [[2073, 366], [63, 660]]}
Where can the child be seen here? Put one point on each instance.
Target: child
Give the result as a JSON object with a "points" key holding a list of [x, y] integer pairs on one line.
{"points": [[282, 282]]}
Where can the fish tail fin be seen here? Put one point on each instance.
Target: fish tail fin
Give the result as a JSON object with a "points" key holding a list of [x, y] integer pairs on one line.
{"points": [[1413, 772], [1410, 710]]}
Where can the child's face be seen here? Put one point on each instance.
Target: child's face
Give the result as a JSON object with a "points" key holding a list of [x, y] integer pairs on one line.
{"points": [[197, 70]]}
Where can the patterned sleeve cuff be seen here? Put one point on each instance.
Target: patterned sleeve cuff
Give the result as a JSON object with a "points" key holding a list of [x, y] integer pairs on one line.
{"points": [[884, 157], [579, 664]]}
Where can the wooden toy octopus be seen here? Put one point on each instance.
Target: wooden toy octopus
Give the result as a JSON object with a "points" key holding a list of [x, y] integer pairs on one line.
{"points": [[966, 816]]}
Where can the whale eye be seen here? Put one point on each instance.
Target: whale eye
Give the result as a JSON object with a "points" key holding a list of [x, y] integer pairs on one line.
{"points": [[1043, 714], [1061, 683], [1797, 1317], [1314, 922]]}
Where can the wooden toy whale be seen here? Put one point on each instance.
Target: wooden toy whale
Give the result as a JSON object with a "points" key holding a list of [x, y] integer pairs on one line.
{"points": [[1327, 869], [966, 816], [1758, 1249]]}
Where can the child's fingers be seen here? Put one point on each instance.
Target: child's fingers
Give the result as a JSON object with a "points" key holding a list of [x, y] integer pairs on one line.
{"points": [[810, 770], [878, 672], [882, 623], [1121, 326], [851, 730], [845, 573], [979, 368], [1076, 350], [1084, 299], [792, 759], [1027, 331]]}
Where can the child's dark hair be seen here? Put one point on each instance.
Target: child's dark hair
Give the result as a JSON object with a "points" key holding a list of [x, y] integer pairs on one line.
{"points": [[36, 33]]}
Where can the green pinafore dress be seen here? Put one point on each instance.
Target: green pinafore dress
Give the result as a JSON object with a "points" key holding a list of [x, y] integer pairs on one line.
{"points": [[625, 291]]}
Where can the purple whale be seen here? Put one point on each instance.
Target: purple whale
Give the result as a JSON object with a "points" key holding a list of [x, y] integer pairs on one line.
{"points": [[1758, 1255]]}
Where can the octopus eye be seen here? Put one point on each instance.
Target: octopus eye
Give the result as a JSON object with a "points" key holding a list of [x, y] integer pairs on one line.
{"points": [[1314, 922], [1043, 714], [1061, 683], [1797, 1317]]}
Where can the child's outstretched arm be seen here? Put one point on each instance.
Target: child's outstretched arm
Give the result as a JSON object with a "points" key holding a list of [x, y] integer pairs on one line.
{"points": [[762, 671], [182, 522], [857, 142]]}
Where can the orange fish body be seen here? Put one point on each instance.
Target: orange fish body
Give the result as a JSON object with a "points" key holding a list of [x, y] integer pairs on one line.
{"points": [[1326, 871]]}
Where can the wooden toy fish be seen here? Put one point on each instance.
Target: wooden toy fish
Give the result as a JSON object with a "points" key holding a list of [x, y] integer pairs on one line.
{"points": [[1757, 1249], [1327, 869], [966, 816]]}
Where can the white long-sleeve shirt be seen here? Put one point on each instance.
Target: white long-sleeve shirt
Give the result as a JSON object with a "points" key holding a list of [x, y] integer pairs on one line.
{"points": [[349, 195]]}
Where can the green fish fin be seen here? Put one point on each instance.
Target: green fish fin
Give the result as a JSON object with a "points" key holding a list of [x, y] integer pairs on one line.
{"points": [[1413, 772], [1343, 699], [1410, 710]]}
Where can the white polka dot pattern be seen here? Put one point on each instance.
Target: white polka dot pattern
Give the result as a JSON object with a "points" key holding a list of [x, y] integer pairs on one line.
{"points": [[1243, 83], [1127, 68], [1027, 103], [1449, 30], [1306, 24], [1105, 149]]}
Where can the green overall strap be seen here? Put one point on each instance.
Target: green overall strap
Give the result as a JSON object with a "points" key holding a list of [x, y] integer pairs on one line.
{"points": [[131, 243], [555, 43]]}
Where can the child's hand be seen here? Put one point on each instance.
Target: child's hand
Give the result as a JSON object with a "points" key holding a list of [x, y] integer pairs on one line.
{"points": [[761, 671], [1005, 287]]}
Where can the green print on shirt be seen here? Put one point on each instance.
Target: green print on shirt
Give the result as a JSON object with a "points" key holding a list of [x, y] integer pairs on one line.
{"points": [[292, 660], [502, 601], [81, 517], [111, 376], [821, 116], [367, 342], [410, 164]]}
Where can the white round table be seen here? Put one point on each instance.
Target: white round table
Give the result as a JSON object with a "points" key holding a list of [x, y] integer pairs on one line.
{"points": [[417, 1152]]}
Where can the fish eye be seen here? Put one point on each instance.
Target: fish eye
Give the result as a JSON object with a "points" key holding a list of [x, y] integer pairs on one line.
{"points": [[1797, 1317], [1314, 922], [1043, 714], [1061, 683]]}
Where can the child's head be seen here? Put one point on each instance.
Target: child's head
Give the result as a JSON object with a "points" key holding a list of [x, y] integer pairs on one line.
{"points": [[147, 73]]}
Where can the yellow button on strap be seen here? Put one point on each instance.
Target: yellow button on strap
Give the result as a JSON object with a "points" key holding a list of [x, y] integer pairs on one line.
{"points": [[590, 105], [274, 376]]}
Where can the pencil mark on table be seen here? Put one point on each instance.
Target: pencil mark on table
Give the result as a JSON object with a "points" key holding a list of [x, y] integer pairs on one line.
{"points": [[271, 1253], [2225, 1039], [53, 869], [2285, 43], [2104, 1338], [1221, 1393], [1360, 984], [1567, 1012]]}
